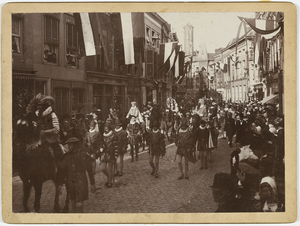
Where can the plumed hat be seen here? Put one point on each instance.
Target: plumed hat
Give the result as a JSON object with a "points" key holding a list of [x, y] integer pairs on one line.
{"points": [[47, 100]]}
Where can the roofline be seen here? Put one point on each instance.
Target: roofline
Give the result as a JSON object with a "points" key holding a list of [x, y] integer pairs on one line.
{"points": [[233, 44]]}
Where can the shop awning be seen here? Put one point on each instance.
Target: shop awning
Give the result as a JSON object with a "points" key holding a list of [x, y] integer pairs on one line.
{"points": [[270, 99], [23, 76]]}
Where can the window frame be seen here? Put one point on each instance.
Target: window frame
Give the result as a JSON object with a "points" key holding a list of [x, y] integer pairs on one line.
{"points": [[19, 36], [72, 47], [51, 46]]}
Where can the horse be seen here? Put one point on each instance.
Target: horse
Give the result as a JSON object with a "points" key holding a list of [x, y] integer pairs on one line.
{"points": [[36, 161]]}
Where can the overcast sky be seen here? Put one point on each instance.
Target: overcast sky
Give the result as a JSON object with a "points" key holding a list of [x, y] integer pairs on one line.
{"points": [[213, 28]]}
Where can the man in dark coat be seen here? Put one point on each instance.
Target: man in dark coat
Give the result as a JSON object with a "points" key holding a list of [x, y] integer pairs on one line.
{"points": [[230, 128], [77, 162], [224, 193]]}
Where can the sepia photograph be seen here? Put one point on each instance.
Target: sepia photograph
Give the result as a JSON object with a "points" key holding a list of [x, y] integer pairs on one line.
{"points": [[148, 112]]}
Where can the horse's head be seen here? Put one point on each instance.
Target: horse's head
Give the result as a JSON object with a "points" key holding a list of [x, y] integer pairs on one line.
{"points": [[28, 129]]}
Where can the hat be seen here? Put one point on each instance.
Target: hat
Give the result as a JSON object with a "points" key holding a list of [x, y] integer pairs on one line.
{"points": [[72, 140], [47, 100], [132, 116], [155, 124], [245, 167], [118, 122], [107, 124], [184, 122], [223, 180], [202, 122], [271, 182]]}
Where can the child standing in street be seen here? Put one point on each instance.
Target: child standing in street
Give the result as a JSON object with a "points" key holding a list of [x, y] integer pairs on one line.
{"points": [[184, 143], [157, 148], [122, 145]]}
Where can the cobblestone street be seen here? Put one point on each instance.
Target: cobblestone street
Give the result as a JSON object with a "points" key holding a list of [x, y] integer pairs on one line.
{"points": [[139, 192]]}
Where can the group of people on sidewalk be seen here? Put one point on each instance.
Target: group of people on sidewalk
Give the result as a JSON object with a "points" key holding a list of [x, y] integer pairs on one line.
{"points": [[257, 160]]}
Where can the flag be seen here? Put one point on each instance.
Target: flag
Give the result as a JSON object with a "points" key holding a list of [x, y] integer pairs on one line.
{"points": [[86, 34], [168, 53], [127, 35], [263, 27], [178, 67], [222, 66]]}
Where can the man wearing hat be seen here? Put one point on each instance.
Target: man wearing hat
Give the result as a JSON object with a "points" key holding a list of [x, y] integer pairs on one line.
{"points": [[134, 132], [122, 144], [202, 136], [224, 193], [77, 162], [50, 125]]}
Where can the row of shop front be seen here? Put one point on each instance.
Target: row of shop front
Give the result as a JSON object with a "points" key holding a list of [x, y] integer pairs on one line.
{"points": [[81, 97]]}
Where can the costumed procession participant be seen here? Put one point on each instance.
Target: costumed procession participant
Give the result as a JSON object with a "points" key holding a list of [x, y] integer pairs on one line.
{"points": [[224, 193], [145, 126], [184, 142], [108, 157], [229, 128], [211, 130], [122, 145], [202, 136], [201, 109], [155, 114], [77, 162], [50, 126], [157, 148], [136, 112], [134, 132], [93, 142]]}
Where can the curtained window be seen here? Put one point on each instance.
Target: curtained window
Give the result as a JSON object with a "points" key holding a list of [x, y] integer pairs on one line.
{"points": [[16, 35], [51, 41], [72, 48], [61, 96]]}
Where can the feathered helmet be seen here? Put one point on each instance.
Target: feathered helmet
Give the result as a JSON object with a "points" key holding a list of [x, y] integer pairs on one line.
{"points": [[32, 106]]}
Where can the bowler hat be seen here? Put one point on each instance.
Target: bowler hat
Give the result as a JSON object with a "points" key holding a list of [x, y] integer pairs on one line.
{"points": [[72, 140]]}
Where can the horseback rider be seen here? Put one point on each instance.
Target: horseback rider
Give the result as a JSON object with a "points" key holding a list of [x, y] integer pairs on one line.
{"points": [[50, 125]]}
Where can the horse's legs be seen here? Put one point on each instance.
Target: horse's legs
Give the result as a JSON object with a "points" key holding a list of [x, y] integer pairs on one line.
{"points": [[167, 130], [56, 198], [26, 192], [66, 207], [38, 192]]}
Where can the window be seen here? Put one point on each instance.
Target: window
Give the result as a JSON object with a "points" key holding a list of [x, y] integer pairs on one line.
{"points": [[61, 96], [78, 100], [16, 35], [72, 50], [51, 39], [148, 37]]}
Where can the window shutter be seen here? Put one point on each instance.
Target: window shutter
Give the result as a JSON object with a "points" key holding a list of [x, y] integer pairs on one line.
{"points": [[69, 35], [150, 63], [47, 29], [155, 65], [55, 31]]}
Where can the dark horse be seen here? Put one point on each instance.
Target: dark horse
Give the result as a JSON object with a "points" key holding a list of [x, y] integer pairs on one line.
{"points": [[36, 161]]}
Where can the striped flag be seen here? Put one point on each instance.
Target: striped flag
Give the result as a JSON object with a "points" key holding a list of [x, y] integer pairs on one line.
{"points": [[168, 53]]}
